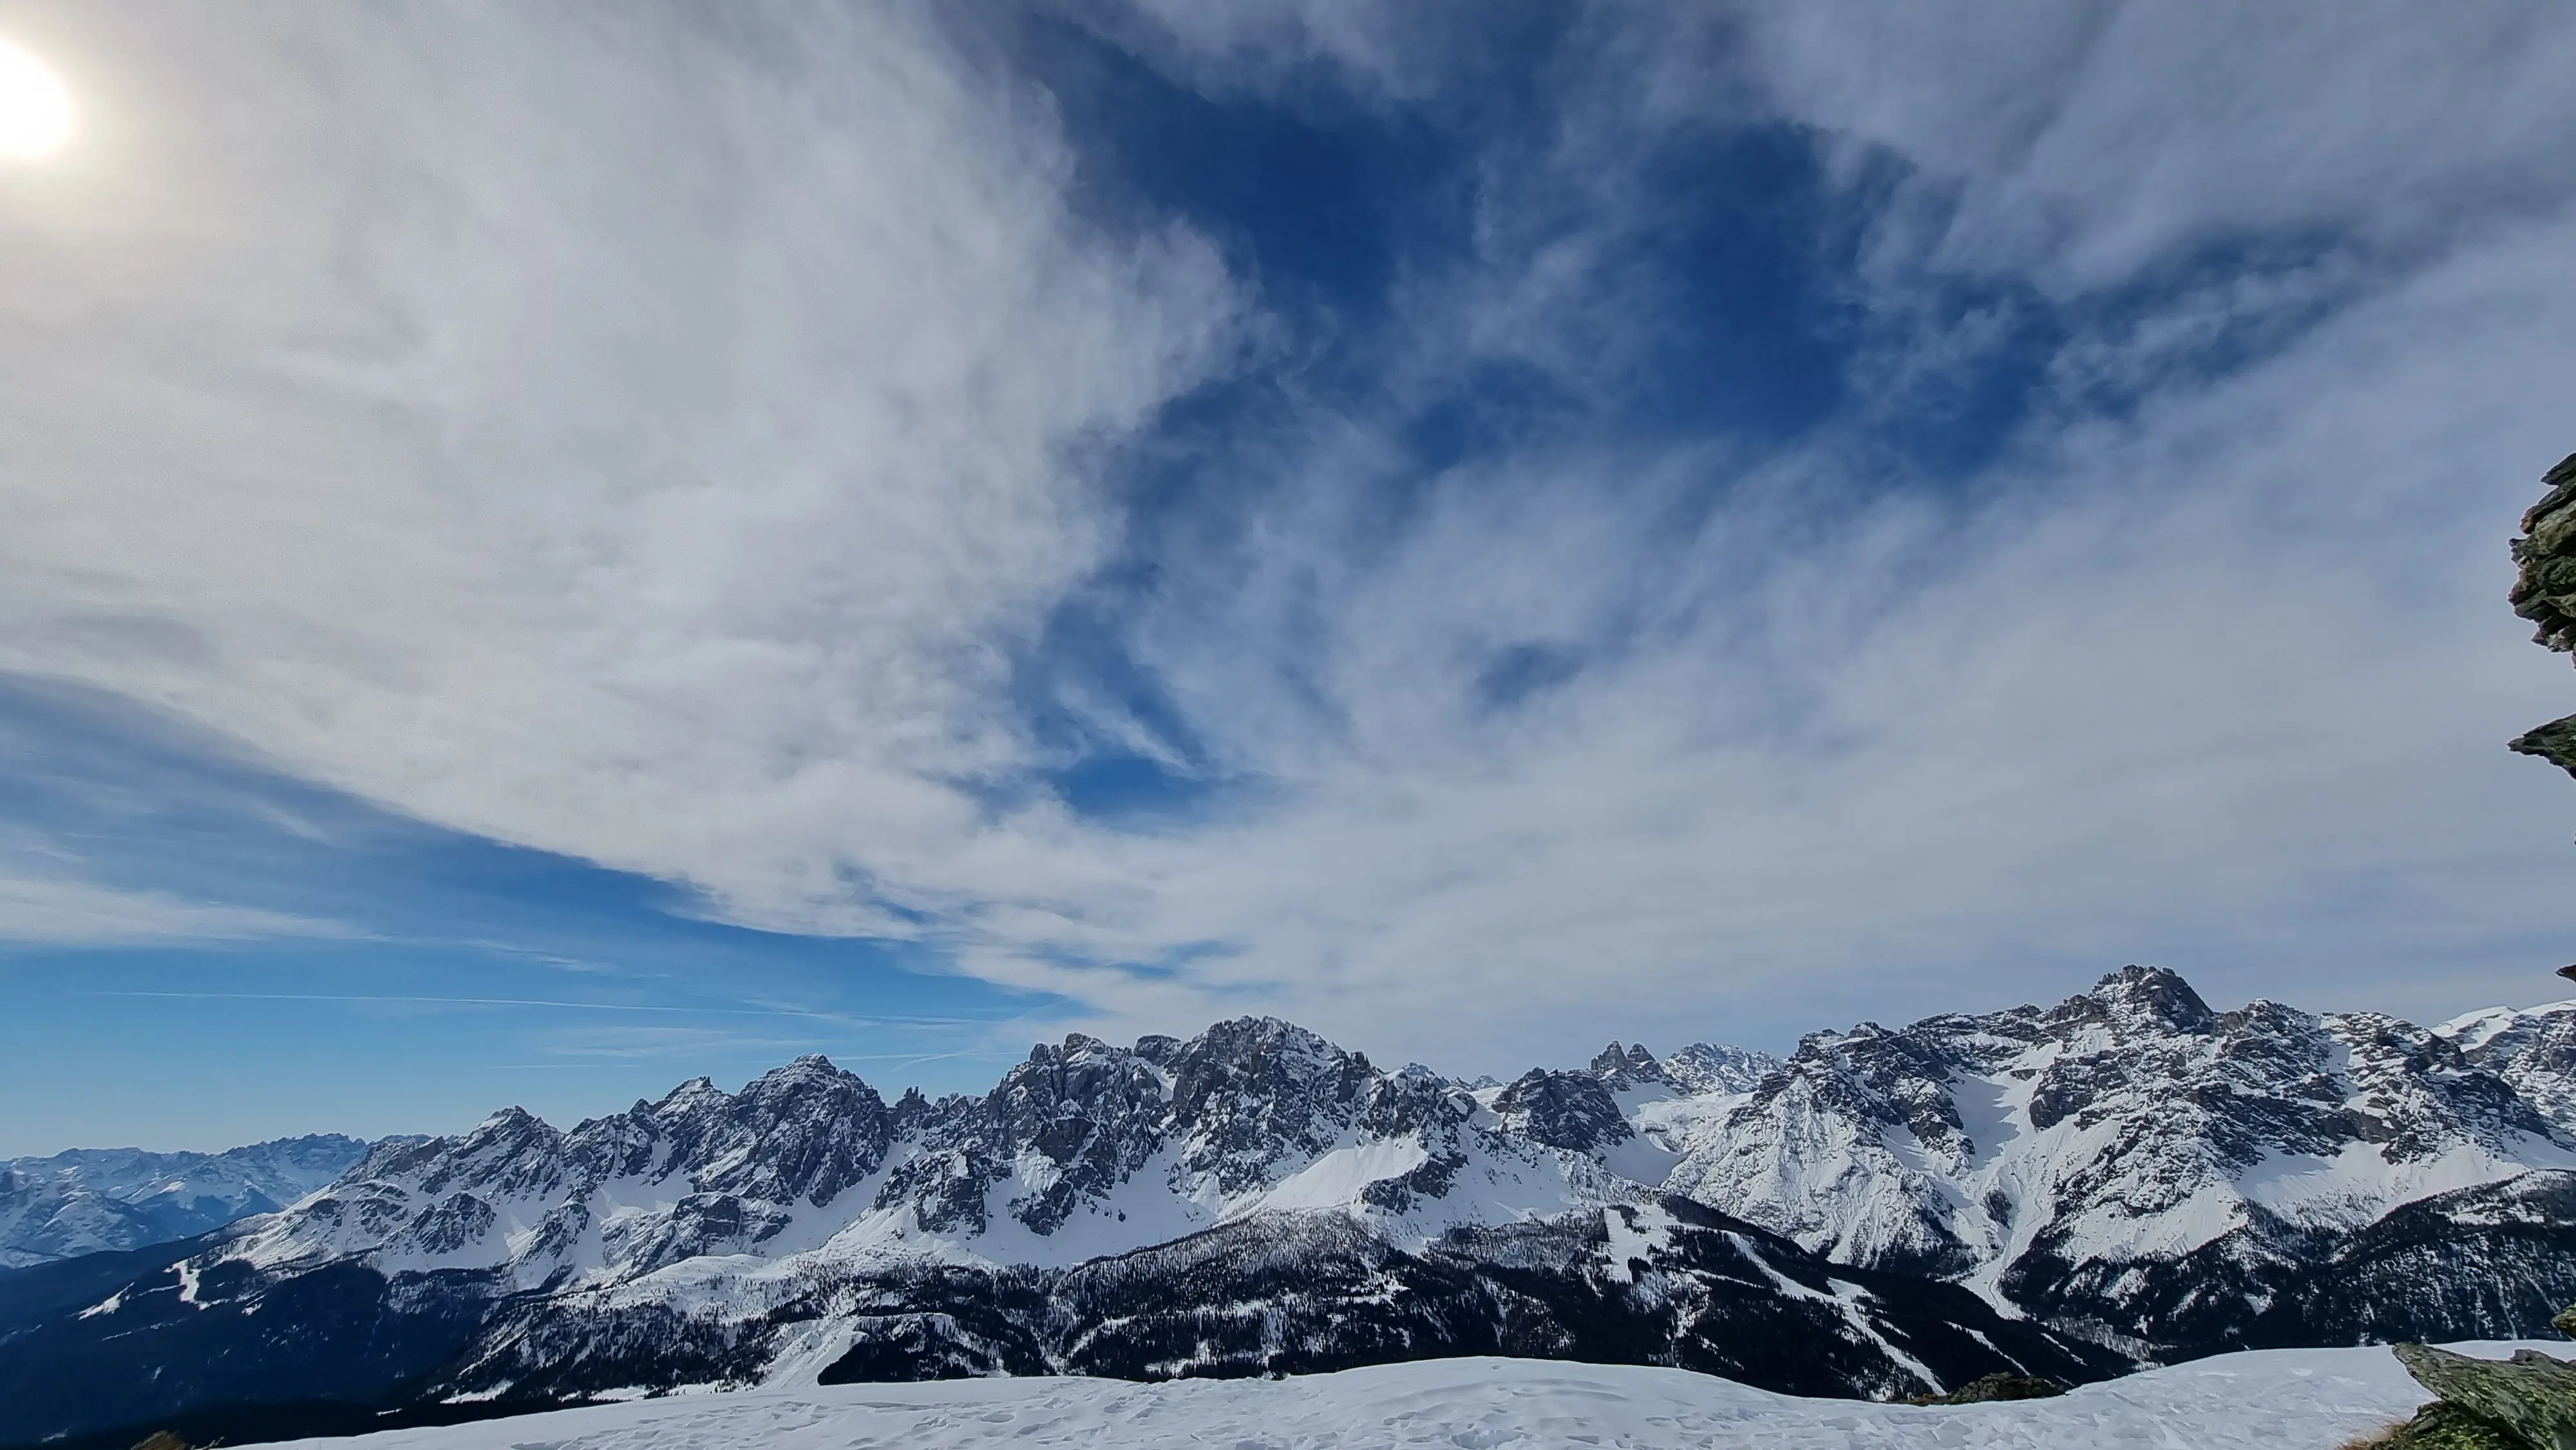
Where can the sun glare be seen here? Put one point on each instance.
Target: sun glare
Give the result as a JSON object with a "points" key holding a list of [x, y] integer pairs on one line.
{"points": [[35, 110]]}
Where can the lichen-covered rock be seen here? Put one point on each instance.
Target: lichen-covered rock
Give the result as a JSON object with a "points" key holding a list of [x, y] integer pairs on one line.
{"points": [[1986, 1389], [2531, 1394], [2442, 1425], [2544, 592], [2554, 742]]}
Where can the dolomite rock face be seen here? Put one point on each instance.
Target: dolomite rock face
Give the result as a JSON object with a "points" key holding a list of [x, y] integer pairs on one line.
{"points": [[2545, 593]]}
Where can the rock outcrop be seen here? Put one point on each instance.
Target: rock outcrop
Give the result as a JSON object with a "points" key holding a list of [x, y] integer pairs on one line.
{"points": [[2545, 593], [2526, 1401], [1988, 1389]]}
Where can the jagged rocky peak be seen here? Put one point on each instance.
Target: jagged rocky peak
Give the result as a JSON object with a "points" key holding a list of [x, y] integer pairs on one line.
{"points": [[801, 1132], [1256, 1090], [2532, 1048], [1570, 1110], [2544, 592], [1625, 1066], [2139, 999], [1085, 1078], [513, 1150], [1073, 1125], [2127, 1167], [805, 1132], [1094, 1113], [2134, 1161]]}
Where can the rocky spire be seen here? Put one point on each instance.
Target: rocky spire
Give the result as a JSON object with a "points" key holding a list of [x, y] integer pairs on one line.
{"points": [[2545, 593]]}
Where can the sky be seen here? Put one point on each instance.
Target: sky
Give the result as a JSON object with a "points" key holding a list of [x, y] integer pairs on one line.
{"points": [[550, 550]]}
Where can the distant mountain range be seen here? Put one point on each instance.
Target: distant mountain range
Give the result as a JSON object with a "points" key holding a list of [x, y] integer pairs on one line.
{"points": [[98, 1200], [2128, 1176]]}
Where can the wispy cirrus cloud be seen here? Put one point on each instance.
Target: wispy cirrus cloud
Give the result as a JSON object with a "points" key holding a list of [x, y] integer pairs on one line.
{"points": [[541, 457], [60, 911], [1792, 492]]}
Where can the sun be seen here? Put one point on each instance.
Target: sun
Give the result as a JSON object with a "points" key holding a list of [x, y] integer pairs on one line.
{"points": [[35, 110]]}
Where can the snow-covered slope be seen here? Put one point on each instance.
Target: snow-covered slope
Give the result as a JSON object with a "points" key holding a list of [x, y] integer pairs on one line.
{"points": [[95, 1200], [2134, 1165], [2126, 1176], [2308, 1399], [1702, 1068], [2533, 1048], [1082, 1151], [1252, 1200]]}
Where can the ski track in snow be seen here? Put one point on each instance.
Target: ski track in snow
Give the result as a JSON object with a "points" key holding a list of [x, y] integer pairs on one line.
{"points": [[2287, 1399]]}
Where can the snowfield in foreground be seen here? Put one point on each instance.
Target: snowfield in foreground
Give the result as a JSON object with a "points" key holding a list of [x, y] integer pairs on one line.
{"points": [[2282, 1399]]}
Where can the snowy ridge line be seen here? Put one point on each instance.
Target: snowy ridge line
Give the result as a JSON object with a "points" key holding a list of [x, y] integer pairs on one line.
{"points": [[2127, 1176], [104, 1200], [1982, 1149], [2158, 1174]]}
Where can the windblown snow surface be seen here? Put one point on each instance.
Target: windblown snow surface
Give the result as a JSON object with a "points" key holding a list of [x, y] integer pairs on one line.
{"points": [[2281, 1399]]}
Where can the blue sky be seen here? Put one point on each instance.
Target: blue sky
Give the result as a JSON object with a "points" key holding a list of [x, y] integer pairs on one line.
{"points": [[548, 552]]}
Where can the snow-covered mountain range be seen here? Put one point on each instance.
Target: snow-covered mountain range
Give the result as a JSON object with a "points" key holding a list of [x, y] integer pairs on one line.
{"points": [[2126, 1176], [97, 1200], [2136, 1167]]}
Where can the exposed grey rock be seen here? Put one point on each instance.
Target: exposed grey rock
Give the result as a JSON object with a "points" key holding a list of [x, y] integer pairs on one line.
{"points": [[2089, 1160], [2442, 1425], [1256, 1091], [1102, 1210], [2554, 742], [2531, 1393], [1627, 1067], [2544, 592], [2532, 1048], [1702, 1068], [1570, 1110], [1093, 1111]]}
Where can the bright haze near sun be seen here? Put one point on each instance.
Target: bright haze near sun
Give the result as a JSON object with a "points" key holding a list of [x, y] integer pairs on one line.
{"points": [[35, 110], [547, 550]]}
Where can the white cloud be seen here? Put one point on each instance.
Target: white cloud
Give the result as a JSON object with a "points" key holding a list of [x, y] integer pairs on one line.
{"points": [[2228, 679], [631, 432], [2233, 678], [648, 445], [63, 911], [2089, 141]]}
